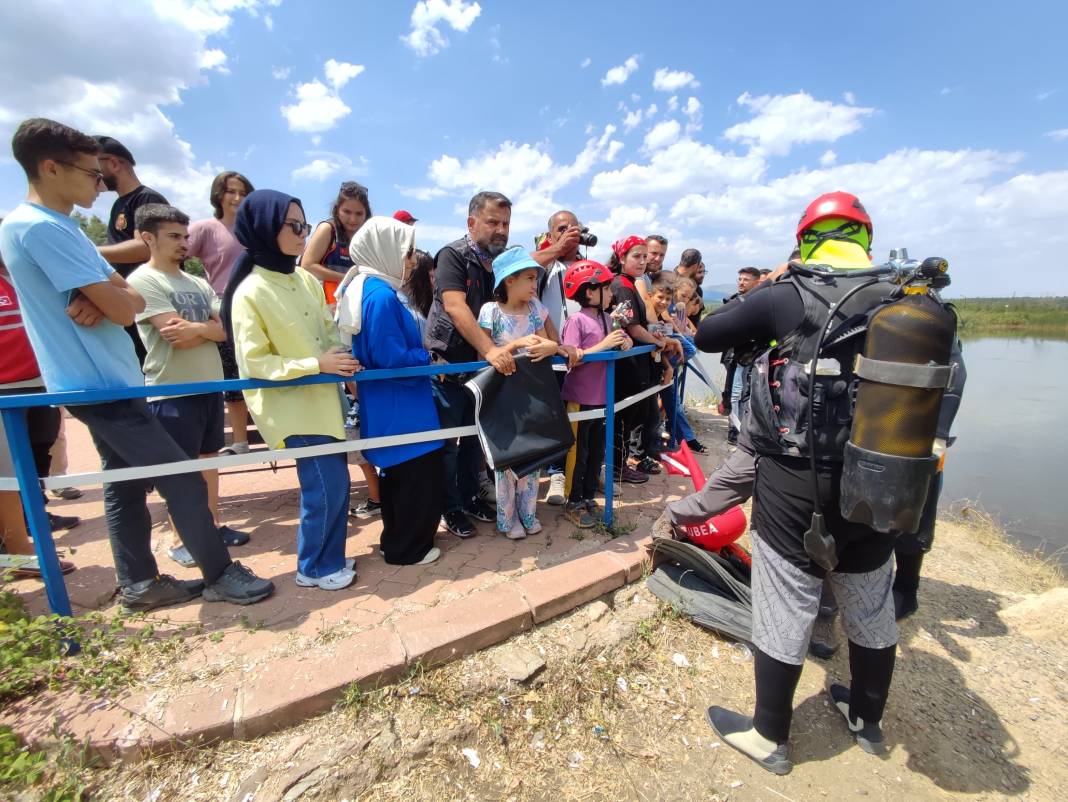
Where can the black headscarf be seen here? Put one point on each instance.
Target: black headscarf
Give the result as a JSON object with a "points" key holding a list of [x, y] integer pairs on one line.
{"points": [[259, 219]]}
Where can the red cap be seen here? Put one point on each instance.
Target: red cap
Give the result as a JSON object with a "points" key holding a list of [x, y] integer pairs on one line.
{"points": [[404, 216]]}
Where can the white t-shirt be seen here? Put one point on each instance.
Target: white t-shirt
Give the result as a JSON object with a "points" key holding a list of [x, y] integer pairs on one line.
{"points": [[559, 306]]}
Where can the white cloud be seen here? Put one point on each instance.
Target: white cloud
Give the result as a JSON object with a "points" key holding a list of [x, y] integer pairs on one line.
{"points": [[828, 158], [685, 166], [525, 172], [426, 38], [268, 21], [281, 73], [849, 98], [1059, 135], [318, 108], [1045, 95], [782, 121], [662, 134], [965, 205], [339, 73], [620, 73], [213, 59], [322, 166], [665, 80], [586, 62], [632, 119], [692, 110], [87, 82], [623, 220], [673, 103]]}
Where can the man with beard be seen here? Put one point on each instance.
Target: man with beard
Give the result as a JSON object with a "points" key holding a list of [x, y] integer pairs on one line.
{"points": [[123, 250], [463, 283]]}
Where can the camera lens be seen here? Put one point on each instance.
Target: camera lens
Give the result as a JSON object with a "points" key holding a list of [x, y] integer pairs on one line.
{"points": [[587, 239]]}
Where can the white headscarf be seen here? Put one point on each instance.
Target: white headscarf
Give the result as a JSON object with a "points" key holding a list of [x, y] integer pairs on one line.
{"points": [[378, 249]]}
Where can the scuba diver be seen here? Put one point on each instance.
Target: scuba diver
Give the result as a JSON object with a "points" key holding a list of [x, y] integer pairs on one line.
{"points": [[842, 414]]}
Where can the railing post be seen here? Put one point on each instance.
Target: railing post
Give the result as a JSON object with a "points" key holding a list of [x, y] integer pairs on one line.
{"points": [[18, 440], [609, 439]]}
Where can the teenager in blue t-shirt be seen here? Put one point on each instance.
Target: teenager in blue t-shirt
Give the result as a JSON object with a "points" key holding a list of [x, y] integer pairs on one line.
{"points": [[74, 307]]}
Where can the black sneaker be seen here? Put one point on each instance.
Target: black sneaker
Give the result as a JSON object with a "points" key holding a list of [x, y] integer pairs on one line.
{"points": [[160, 591], [238, 585], [457, 523], [63, 521], [480, 510], [231, 537], [869, 734], [696, 446], [905, 604], [649, 465], [368, 509]]}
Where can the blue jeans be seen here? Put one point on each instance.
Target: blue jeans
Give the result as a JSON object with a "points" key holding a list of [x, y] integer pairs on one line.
{"points": [[324, 508], [673, 411], [462, 459]]}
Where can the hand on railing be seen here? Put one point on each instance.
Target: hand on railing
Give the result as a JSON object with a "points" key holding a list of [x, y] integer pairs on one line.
{"points": [[339, 361], [501, 359]]}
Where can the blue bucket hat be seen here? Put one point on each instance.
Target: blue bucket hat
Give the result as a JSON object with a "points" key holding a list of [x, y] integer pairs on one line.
{"points": [[514, 260]]}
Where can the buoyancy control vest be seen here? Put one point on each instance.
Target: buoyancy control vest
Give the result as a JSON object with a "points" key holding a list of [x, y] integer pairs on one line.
{"points": [[777, 423], [875, 398]]}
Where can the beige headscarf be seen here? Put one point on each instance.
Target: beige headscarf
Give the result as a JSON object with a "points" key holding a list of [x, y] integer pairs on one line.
{"points": [[378, 249]]}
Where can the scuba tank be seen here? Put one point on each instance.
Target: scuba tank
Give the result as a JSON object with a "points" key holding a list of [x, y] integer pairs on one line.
{"points": [[902, 373]]}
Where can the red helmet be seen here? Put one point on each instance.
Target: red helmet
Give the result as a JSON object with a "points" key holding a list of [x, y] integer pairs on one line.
{"points": [[582, 272], [834, 204]]}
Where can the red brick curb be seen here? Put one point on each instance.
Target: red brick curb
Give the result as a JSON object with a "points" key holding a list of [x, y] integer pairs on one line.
{"points": [[289, 689]]}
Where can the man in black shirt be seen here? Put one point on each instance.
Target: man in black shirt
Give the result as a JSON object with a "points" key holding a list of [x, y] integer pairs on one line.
{"points": [[123, 250], [463, 283]]}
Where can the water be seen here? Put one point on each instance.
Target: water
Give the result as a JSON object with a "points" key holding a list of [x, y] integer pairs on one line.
{"points": [[1011, 453]]}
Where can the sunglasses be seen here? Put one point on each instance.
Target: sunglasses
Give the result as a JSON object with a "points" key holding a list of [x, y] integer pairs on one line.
{"points": [[298, 227], [97, 176]]}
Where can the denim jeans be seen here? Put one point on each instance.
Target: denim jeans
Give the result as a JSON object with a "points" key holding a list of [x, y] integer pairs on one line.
{"points": [[324, 508], [674, 411], [741, 376], [127, 435], [462, 459]]}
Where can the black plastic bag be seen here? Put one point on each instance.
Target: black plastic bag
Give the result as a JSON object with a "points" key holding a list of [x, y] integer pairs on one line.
{"points": [[521, 419]]}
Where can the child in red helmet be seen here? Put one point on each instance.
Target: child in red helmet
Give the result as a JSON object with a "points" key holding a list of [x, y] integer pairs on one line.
{"points": [[587, 283]]}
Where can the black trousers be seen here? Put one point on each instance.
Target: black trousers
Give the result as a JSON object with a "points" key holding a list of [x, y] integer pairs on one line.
{"points": [[127, 435], [589, 456], [412, 495], [632, 376]]}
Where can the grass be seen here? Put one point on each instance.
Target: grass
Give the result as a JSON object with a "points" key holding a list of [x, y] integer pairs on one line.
{"points": [[1036, 316]]}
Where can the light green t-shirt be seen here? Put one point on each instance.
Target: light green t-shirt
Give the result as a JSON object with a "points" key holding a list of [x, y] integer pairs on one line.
{"points": [[187, 297]]}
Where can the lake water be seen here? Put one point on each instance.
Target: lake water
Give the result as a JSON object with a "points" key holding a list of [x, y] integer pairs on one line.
{"points": [[1011, 453]]}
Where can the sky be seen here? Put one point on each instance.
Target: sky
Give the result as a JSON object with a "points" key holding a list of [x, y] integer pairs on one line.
{"points": [[711, 123]]}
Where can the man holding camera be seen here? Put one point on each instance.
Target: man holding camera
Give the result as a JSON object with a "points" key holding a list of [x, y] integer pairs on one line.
{"points": [[565, 237]]}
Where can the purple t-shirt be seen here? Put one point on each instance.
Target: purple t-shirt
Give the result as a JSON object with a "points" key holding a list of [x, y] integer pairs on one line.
{"points": [[215, 245], [584, 383]]}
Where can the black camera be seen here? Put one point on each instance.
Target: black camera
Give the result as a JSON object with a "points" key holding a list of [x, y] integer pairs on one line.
{"points": [[586, 239]]}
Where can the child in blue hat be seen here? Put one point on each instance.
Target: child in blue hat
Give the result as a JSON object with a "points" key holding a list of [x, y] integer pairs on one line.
{"points": [[516, 320]]}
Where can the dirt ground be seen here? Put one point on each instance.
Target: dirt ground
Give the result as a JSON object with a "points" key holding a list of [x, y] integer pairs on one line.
{"points": [[614, 710]]}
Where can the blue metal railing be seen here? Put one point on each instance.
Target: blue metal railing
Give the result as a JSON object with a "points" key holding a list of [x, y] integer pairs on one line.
{"points": [[13, 410]]}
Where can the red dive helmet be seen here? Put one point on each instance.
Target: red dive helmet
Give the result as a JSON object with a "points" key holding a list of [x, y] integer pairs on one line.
{"points": [[582, 272], [834, 204]]}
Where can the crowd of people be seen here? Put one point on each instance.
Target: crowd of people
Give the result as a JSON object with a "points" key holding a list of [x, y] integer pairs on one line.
{"points": [[358, 295], [273, 303]]}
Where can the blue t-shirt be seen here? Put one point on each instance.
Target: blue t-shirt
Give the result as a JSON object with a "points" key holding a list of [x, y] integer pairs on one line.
{"points": [[49, 258]]}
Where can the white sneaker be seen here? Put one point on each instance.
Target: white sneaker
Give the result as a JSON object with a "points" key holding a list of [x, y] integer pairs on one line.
{"points": [[431, 555], [556, 490], [517, 532], [335, 581], [487, 490], [534, 528]]}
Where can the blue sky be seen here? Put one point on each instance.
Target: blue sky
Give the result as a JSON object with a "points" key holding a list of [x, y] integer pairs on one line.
{"points": [[712, 123]]}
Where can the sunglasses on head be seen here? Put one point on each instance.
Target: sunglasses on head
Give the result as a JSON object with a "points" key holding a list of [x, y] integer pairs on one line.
{"points": [[298, 227]]}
